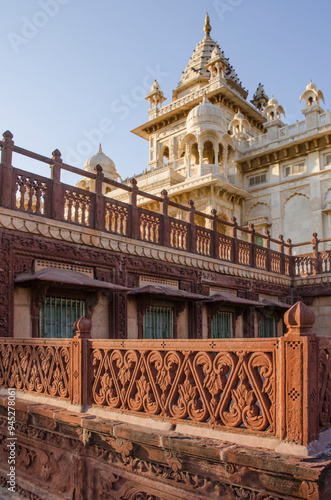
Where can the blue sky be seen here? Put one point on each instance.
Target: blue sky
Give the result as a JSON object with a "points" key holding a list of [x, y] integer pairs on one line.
{"points": [[74, 72]]}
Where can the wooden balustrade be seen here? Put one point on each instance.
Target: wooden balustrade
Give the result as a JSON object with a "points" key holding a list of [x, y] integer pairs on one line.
{"points": [[277, 387], [41, 196]]}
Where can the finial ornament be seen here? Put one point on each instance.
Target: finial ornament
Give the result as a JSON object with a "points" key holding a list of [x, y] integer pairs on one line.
{"points": [[207, 27], [100, 148]]}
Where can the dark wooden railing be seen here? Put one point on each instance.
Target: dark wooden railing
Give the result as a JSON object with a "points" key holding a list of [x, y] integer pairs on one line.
{"points": [[50, 198]]}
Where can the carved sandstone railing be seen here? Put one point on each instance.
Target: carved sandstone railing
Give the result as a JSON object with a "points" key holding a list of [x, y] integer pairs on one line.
{"points": [[271, 387], [37, 366], [37, 195], [50, 198]]}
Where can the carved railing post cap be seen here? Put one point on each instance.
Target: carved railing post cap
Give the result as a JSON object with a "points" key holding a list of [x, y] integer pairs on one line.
{"points": [[164, 193], [191, 203], [299, 318], [133, 182], [82, 327], [56, 153], [214, 212], [7, 134], [98, 169]]}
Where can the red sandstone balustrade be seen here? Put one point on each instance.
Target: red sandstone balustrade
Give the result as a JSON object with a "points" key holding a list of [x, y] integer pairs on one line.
{"points": [[277, 387], [38, 195]]}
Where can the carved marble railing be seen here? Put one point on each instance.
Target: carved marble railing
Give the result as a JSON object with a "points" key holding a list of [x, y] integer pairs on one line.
{"points": [[37, 366], [277, 387], [285, 133]]}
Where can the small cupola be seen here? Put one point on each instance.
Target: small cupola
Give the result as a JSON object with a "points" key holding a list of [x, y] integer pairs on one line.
{"points": [[155, 96], [273, 110], [311, 95]]}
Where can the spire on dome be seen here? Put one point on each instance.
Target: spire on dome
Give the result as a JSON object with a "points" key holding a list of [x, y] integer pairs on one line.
{"points": [[207, 27], [100, 148]]}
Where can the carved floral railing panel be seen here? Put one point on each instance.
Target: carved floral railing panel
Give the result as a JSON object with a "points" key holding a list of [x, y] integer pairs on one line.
{"points": [[204, 238], [31, 193], [325, 382], [32, 366], [217, 383]]}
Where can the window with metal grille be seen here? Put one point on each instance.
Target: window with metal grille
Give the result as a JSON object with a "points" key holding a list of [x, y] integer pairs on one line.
{"points": [[221, 325], [268, 327], [158, 323], [328, 160], [58, 315]]}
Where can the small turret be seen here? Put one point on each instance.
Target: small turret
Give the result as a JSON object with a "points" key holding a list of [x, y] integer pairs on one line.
{"points": [[155, 97], [260, 98], [273, 110], [238, 126], [311, 95], [312, 108]]}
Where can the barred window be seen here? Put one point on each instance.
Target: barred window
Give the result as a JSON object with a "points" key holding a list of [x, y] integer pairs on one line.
{"points": [[268, 327], [158, 322], [58, 315], [222, 325]]}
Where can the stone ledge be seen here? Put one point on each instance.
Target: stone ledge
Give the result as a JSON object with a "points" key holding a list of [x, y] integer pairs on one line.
{"points": [[63, 231], [226, 465], [101, 419]]}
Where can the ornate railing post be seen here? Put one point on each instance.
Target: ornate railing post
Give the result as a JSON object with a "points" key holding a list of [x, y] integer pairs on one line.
{"points": [[281, 250], [290, 256], [299, 406], [266, 244], [80, 362], [215, 241], [6, 174], [193, 230], [135, 219], [251, 240], [57, 199], [99, 208], [165, 218], [234, 235], [315, 260]]}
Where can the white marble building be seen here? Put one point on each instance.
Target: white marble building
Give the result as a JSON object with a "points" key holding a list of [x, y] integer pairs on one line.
{"points": [[212, 145]]}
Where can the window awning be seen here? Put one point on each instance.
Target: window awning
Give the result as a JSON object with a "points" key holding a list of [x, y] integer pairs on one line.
{"points": [[275, 303], [73, 278], [164, 291], [227, 298]]}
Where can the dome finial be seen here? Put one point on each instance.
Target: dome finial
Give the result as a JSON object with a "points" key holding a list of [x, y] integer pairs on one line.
{"points": [[100, 148], [207, 27]]}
